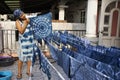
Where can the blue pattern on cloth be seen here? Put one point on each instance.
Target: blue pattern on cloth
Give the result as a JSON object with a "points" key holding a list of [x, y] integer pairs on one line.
{"points": [[37, 52], [64, 62], [44, 64], [97, 58], [61, 58], [106, 69], [26, 43], [52, 49], [81, 71], [83, 62], [42, 25]]}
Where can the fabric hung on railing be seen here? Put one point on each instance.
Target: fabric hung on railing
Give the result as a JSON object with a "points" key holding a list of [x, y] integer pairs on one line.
{"points": [[106, 51], [107, 56], [64, 62], [44, 65], [107, 69], [62, 59], [42, 29], [81, 71], [91, 62], [101, 54], [97, 62], [115, 48], [65, 38], [53, 50]]}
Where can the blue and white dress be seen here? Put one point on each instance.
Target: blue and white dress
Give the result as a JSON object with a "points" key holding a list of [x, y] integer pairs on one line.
{"points": [[26, 43]]}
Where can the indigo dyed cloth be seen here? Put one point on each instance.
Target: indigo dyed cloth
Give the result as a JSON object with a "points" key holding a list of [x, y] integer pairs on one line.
{"points": [[42, 25], [26, 43], [64, 62], [37, 52], [106, 69], [45, 66], [81, 71], [53, 50]]}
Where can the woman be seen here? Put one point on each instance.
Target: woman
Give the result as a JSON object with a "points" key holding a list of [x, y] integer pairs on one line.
{"points": [[26, 41]]}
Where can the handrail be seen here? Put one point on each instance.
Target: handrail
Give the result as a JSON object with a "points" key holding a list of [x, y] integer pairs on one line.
{"points": [[9, 37]]}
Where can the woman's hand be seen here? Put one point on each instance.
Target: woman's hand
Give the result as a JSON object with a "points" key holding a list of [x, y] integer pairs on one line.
{"points": [[21, 28], [26, 21]]}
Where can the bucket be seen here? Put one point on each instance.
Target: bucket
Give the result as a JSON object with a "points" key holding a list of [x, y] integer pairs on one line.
{"points": [[5, 75]]}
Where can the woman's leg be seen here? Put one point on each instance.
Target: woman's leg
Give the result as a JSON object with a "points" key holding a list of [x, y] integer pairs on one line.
{"points": [[29, 63], [20, 64]]}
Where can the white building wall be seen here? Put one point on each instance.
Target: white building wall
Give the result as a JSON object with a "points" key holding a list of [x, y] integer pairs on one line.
{"points": [[104, 4], [103, 7]]}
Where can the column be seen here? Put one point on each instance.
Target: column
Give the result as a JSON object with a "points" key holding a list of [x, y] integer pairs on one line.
{"points": [[91, 18], [91, 21], [62, 12]]}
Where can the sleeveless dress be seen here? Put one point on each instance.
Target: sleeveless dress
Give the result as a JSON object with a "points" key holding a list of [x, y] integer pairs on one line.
{"points": [[26, 43]]}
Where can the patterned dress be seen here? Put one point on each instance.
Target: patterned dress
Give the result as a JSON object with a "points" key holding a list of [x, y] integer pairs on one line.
{"points": [[26, 43]]}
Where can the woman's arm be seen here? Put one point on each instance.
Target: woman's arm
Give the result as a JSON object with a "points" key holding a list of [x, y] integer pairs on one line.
{"points": [[20, 28]]}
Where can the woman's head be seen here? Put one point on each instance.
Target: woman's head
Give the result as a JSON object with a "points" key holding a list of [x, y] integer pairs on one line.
{"points": [[18, 14]]}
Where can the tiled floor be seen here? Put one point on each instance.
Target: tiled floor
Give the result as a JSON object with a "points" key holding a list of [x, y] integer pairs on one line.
{"points": [[38, 74]]}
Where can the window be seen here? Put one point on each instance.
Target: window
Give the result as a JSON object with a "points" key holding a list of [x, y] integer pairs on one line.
{"points": [[110, 7], [82, 16], [106, 19]]}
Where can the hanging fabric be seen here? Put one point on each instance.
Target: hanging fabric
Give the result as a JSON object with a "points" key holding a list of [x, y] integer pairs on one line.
{"points": [[42, 25]]}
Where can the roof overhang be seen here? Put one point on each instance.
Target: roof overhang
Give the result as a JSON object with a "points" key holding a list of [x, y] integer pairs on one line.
{"points": [[28, 6]]}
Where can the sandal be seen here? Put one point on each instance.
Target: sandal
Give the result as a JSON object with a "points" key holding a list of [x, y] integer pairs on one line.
{"points": [[19, 76], [30, 74]]}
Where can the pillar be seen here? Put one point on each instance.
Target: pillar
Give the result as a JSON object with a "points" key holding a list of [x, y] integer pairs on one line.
{"points": [[91, 18], [92, 7], [62, 12]]}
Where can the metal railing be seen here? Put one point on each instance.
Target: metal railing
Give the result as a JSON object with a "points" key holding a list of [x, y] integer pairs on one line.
{"points": [[9, 38]]}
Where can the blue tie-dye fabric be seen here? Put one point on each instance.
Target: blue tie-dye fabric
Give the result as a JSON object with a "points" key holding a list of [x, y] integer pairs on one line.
{"points": [[99, 66], [53, 50], [81, 71], [42, 25]]}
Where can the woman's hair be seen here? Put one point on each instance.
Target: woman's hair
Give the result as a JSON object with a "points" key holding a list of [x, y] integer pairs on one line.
{"points": [[17, 13]]}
